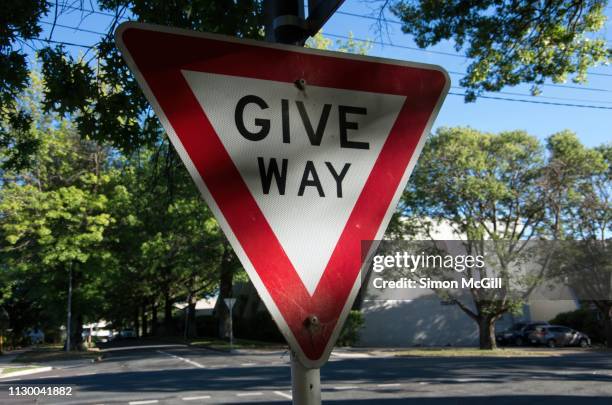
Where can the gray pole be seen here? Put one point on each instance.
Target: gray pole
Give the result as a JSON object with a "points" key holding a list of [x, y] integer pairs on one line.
{"points": [[285, 21], [231, 329], [69, 317], [285, 24], [305, 383]]}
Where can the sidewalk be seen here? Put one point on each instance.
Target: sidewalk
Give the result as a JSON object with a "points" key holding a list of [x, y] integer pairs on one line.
{"points": [[18, 369], [7, 357]]}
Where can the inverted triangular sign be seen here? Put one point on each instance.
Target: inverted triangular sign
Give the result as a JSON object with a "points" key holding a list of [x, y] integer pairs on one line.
{"points": [[300, 154]]}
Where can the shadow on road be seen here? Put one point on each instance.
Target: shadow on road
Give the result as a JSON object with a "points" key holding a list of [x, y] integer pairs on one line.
{"points": [[436, 373]]}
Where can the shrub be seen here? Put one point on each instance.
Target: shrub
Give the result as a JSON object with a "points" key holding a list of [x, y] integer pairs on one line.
{"points": [[584, 320], [350, 332]]}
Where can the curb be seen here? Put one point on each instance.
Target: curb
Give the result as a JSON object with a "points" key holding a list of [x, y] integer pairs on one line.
{"points": [[27, 372]]}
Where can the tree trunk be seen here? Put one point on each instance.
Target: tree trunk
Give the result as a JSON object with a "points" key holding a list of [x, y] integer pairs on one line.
{"points": [[191, 316], [486, 329], [136, 321], [143, 319], [608, 327], [168, 324], [226, 276], [154, 330], [76, 338]]}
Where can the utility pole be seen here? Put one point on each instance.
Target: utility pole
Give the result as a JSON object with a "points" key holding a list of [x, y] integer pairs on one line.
{"points": [[69, 317]]}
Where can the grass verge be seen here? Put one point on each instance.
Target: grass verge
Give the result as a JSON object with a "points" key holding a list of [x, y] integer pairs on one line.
{"points": [[53, 353], [472, 352], [219, 344]]}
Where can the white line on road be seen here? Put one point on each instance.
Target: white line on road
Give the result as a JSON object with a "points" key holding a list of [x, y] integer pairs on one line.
{"points": [[29, 371], [249, 394], [116, 349], [388, 385], [247, 364], [282, 394], [193, 363], [195, 398], [346, 387], [151, 401]]}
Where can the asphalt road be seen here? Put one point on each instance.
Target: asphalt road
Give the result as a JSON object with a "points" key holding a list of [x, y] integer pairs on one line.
{"points": [[181, 375]]}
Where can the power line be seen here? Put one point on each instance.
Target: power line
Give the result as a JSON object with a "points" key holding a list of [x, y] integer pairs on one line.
{"points": [[86, 10], [346, 37], [385, 20], [563, 86], [511, 93], [52, 41], [536, 102], [452, 72], [73, 28], [369, 17], [456, 55]]}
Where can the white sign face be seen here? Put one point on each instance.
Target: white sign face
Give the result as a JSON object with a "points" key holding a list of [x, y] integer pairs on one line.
{"points": [[308, 203], [301, 155]]}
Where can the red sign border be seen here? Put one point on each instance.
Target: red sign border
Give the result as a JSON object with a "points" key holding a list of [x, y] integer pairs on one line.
{"points": [[276, 281]]}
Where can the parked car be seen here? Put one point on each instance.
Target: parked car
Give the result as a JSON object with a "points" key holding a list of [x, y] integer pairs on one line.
{"points": [[126, 334], [518, 333], [554, 335]]}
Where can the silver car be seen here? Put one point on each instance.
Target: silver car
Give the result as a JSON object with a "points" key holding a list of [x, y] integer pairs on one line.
{"points": [[554, 336]]}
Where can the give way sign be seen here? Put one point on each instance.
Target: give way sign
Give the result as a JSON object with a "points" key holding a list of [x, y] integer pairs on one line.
{"points": [[300, 154]]}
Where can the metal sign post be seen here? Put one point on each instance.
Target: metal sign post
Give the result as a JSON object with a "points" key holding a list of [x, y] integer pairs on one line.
{"points": [[230, 304], [305, 383], [286, 24]]}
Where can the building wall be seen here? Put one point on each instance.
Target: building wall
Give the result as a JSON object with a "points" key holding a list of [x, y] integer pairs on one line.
{"points": [[418, 322], [426, 321]]}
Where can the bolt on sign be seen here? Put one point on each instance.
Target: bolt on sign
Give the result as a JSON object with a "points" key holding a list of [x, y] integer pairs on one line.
{"points": [[300, 154]]}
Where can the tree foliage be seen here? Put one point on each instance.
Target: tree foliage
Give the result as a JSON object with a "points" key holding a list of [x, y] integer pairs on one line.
{"points": [[511, 42], [505, 189]]}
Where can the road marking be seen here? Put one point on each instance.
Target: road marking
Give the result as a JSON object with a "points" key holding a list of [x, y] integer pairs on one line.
{"points": [[351, 355], [249, 394], [346, 387], [282, 394], [193, 363], [423, 383], [48, 376], [151, 401], [116, 349], [389, 385], [247, 364], [28, 372], [195, 398], [84, 374]]}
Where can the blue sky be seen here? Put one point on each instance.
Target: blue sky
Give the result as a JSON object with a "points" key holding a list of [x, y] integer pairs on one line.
{"points": [[593, 126]]}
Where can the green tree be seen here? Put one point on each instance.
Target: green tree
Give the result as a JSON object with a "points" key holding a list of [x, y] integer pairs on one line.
{"points": [[512, 42], [485, 187], [580, 184], [55, 215]]}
